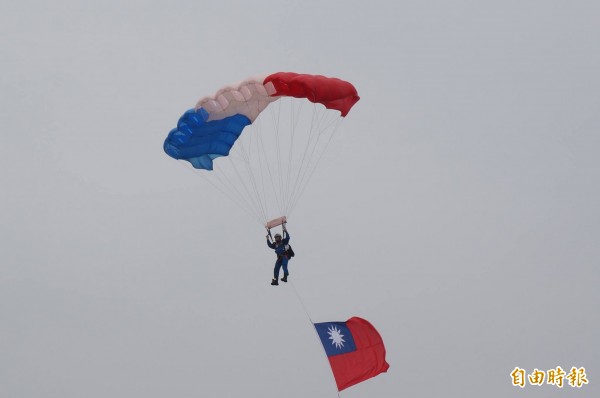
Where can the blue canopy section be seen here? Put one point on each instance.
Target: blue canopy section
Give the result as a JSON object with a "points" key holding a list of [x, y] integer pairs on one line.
{"points": [[200, 142]]}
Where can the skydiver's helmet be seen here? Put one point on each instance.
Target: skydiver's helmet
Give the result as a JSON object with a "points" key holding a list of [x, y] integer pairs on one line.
{"points": [[278, 238]]}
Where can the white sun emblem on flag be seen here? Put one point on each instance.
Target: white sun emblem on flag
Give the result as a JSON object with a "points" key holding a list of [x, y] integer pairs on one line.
{"points": [[336, 337]]}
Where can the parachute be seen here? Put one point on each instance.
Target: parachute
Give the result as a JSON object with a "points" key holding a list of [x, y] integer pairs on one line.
{"points": [[270, 150], [259, 142]]}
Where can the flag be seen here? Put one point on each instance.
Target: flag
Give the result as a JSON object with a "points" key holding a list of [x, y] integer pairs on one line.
{"points": [[355, 350]]}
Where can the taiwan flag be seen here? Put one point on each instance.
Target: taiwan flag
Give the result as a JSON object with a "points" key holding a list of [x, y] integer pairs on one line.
{"points": [[354, 349]]}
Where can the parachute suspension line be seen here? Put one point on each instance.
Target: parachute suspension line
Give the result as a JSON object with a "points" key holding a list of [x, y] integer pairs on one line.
{"points": [[246, 208], [302, 162], [260, 146], [228, 181], [245, 205], [226, 178], [255, 129], [290, 127], [253, 183], [275, 113], [279, 169], [271, 178], [309, 166], [312, 325], [260, 166], [235, 178], [335, 129], [251, 186], [312, 153], [295, 117], [247, 158], [258, 206]]}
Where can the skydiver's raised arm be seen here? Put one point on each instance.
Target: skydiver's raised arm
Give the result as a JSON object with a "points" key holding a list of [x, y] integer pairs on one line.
{"points": [[286, 240]]}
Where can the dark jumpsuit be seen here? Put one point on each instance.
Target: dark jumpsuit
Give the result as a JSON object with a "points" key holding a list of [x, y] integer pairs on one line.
{"points": [[282, 259]]}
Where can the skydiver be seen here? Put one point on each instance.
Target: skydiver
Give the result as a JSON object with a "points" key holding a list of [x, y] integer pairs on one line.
{"points": [[281, 246]]}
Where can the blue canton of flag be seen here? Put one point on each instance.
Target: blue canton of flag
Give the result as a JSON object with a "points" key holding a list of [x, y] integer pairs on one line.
{"points": [[336, 338]]}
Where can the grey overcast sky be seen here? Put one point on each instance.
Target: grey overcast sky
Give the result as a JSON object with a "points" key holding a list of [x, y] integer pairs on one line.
{"points": [[459, 214]]}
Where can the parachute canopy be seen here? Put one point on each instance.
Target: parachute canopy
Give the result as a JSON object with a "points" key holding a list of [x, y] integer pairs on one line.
{"points": [[271, 133], [211, 129]]}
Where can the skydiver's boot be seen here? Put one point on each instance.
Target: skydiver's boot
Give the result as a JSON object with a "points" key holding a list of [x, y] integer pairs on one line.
{"points": [[284, 279], [274, 282]]}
